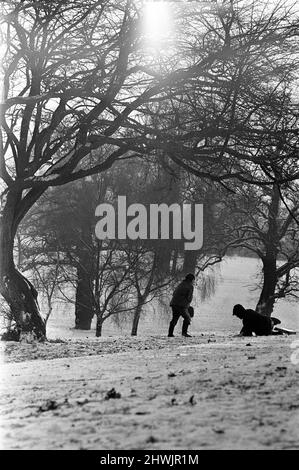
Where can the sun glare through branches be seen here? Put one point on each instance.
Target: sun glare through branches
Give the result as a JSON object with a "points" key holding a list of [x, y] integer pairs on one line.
{"points": [[157, 22]]}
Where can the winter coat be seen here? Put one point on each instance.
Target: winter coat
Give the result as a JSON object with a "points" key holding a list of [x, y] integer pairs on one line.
{"points": [[254, 322], [182, 295]]}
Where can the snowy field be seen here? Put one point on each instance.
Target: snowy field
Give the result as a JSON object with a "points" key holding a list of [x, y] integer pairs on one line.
{"points": [[206, 392]]}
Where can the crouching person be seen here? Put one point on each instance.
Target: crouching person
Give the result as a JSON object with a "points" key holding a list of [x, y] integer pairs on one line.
{"points": [[254, 322], [180, 303]]}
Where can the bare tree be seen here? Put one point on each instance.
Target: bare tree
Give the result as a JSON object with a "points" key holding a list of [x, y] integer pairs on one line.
{"points": [[47, 280], [261, 223], [150, 274], [64, 67], [214, 121]]}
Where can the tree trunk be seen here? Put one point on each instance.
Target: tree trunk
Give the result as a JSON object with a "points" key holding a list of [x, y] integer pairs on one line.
{"points": [[84, 299], [174, 265], [190, 259], [136, 318], [266, 301], [18, 292], [163, 258], [99, 326]]}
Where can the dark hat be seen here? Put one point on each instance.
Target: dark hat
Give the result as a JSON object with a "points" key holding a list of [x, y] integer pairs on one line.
{"points": [[238, 309], [190, 277]]}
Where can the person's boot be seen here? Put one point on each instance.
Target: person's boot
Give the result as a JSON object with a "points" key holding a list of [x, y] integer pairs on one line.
{"points": [[185, 331], [170, 331]]}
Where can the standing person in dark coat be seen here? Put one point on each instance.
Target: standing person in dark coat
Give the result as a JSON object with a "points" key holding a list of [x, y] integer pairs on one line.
{"points": [[180, 302], [254, 322]]}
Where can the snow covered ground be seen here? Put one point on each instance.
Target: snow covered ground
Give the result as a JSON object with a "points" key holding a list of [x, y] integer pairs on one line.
{"points": [[206, 392]]}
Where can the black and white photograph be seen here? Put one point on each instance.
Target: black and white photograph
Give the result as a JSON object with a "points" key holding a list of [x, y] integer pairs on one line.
{"points": [[149, 228]]}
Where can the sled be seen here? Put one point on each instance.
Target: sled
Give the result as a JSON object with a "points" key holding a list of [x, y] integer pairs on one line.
{"points": [[284, 330]]}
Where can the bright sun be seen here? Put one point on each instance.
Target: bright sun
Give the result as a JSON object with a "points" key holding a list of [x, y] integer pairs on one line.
{"points": [[157, 20]]}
